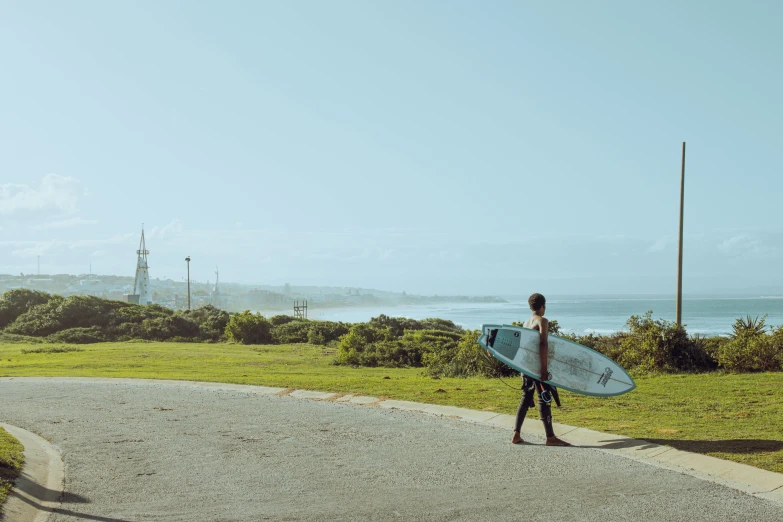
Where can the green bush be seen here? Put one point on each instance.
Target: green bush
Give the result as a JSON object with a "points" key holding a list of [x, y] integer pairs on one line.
{"points": [[78, 336], [325, 332], [396, 325], [465, 358], [211, 321], [291, 332], [359, 345], [249, 328], [53, 349], [443, 325], [659, 345], [306, 331], [711, 347], [14, 338], [14, 303], [751, 349], [164, 328], [277, 320], [384, 342]]}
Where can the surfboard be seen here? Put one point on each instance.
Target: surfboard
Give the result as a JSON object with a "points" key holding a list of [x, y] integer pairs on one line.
{"points": [[573, 367]]}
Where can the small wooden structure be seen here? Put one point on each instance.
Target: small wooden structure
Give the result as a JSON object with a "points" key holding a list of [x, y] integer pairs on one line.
{"points": [[300, 310]]}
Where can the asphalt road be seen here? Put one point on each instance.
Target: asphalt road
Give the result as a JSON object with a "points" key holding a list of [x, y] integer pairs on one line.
{"points": [[135, 452]]}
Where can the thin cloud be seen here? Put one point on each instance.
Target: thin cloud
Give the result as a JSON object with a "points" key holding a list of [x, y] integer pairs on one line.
{"points": [[64, 223], [171, 229], [35, 248], [660, 245], [55, 192], [740, 244]]}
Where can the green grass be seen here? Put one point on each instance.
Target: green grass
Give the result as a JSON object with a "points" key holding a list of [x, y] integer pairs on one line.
{"points": [[11, 460], [734, 417]]}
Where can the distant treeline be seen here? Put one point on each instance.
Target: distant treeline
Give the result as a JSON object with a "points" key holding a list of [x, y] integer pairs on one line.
{"points": [[439, 346]]}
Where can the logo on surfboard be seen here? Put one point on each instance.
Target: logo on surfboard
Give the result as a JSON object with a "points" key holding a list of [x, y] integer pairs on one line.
{"points": [[605, 376]]}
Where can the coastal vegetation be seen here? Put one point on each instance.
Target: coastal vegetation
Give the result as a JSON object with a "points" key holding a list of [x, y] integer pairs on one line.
{"points": [[438, 346], [693, 393]]}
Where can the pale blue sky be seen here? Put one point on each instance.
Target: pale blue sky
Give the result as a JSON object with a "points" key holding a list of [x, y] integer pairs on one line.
{"points": [[435, 147]]}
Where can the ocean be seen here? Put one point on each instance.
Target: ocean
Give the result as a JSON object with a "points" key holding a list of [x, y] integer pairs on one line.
{"points": [[581, 315]]}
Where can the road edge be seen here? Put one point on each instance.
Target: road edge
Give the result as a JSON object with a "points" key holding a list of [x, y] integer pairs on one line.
{"points": [[38, 489]]}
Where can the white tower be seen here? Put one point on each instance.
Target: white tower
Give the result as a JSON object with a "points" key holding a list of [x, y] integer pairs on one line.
{"points": [[141, 285], [217, 299]]}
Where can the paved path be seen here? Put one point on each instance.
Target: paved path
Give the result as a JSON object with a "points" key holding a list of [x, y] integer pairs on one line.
{"points": [[138, 451]]}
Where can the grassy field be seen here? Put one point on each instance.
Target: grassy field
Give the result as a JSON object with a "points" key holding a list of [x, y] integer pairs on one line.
{"points": [[734, 417], [11, 460]]}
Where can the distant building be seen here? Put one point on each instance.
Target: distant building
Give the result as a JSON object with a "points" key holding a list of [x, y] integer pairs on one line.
{"points": [[216, 298]]}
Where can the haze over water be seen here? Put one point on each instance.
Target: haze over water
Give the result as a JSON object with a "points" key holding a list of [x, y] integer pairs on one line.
{"points": [[603, 315]]}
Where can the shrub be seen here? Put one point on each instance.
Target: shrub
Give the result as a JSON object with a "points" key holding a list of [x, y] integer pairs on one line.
{"points": [[14, 338], [277, 320], [53, 349], [659, 345], [609, 345], [248, 328], [78, 336], [440, 324], [14, 303], [751, 349], [358, 346], [291, 332], [395, 325], [465, 358], [710, 346], [211, 322], [166, 328], [325, 332]]}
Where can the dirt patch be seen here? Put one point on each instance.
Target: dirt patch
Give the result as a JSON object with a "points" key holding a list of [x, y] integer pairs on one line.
{"points": [[336, 396]]}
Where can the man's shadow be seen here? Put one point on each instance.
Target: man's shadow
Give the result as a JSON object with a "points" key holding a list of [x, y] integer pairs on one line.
{"points": [[735, 446], [31, 493]]}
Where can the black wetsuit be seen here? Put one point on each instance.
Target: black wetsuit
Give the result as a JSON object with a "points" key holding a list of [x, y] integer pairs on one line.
{"points": [[545, 394]]}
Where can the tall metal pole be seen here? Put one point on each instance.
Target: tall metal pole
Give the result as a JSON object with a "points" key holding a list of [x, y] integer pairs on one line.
{"points": [[679, 252], [188, 260]]}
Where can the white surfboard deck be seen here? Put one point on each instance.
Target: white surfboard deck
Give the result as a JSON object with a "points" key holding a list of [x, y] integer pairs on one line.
{"points": [[573, 367]]}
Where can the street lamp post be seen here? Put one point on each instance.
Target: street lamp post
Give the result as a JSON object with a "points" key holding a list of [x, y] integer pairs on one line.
{"points": [[188, 260], [678, 311]]}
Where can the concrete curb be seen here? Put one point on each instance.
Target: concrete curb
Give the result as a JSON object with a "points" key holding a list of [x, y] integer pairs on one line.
{"points": [[37, 491], [753, 481]]}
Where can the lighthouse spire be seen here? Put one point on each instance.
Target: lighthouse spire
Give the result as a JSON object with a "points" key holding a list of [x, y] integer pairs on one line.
{"points": [[141, 284]]}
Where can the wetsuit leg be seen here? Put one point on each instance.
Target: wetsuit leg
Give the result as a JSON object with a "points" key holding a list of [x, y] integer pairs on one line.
{"points": [[545, 411], [528, 393]]}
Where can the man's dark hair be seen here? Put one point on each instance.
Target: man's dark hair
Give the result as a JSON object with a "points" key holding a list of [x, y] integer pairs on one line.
{"points": [[536, 301]]}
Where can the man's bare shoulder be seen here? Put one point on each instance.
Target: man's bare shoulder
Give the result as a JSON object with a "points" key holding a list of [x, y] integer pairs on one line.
{"points": [[538, 321], [544, 323]]}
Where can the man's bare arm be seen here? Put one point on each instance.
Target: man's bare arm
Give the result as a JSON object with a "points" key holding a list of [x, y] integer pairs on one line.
{"points": [[543, 348]]}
